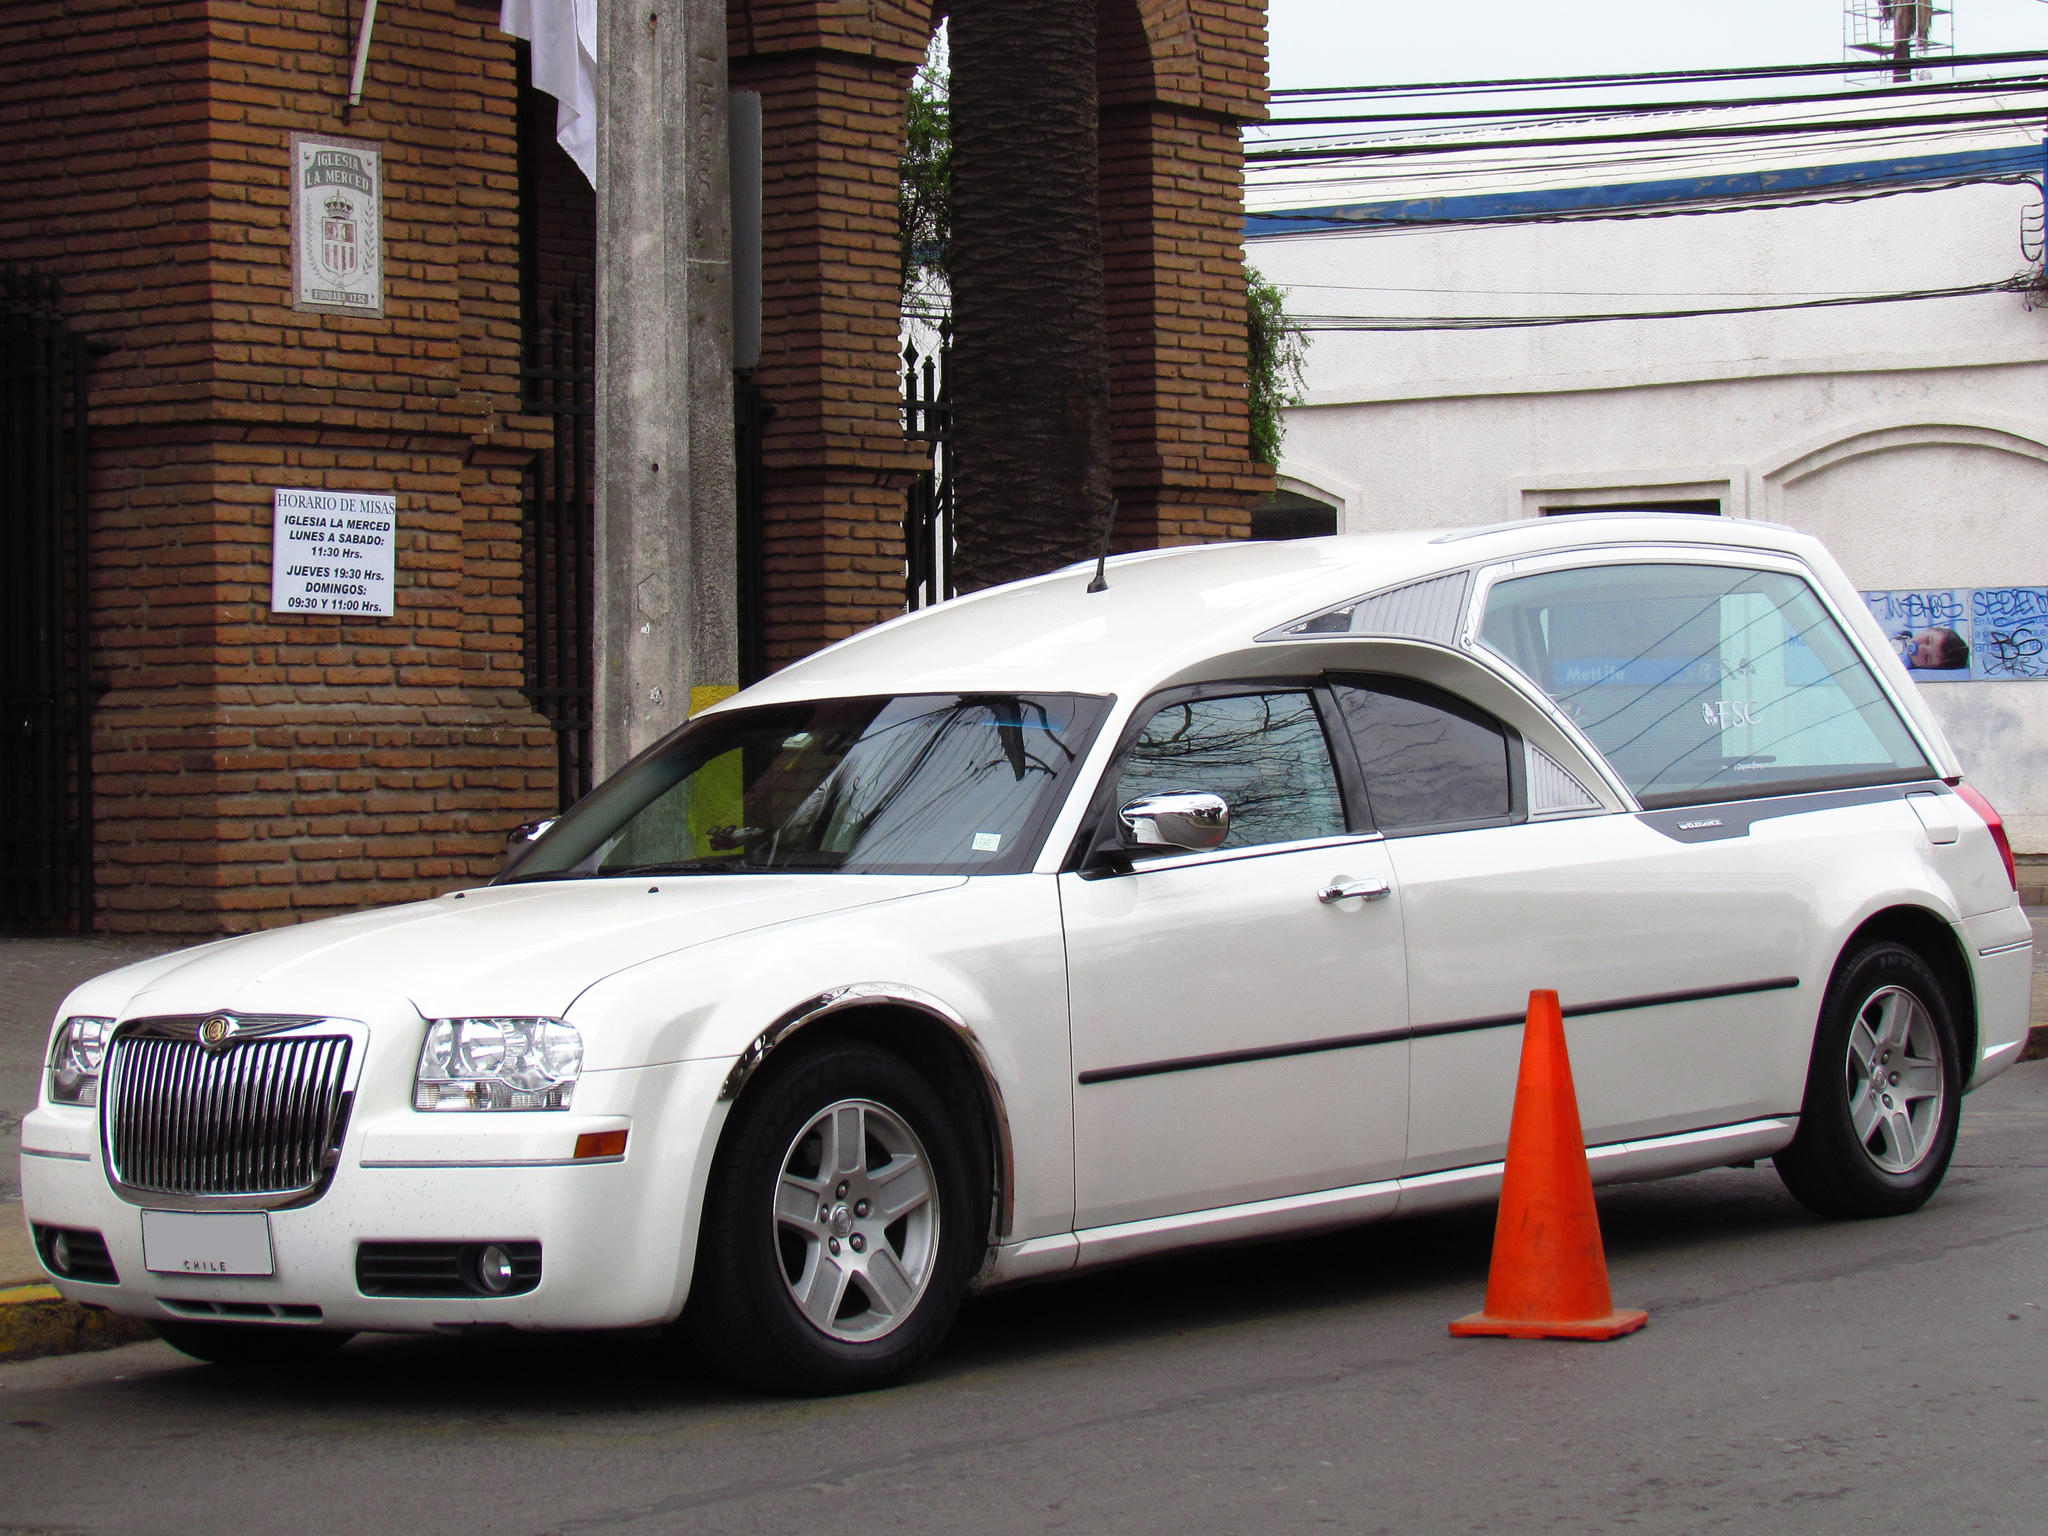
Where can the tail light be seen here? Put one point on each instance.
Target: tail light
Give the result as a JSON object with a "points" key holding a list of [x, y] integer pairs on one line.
{"points": [[1996, 823]]}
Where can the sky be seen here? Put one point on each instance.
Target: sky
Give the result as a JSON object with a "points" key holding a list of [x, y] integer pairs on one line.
{"points": [[1372, 42]]}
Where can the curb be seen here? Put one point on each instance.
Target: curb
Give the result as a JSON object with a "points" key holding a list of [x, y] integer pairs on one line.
{"points": [[36, 1321]]}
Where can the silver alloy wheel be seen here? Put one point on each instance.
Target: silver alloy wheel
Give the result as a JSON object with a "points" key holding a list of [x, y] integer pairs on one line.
{"points": [[1894, 1070], [857, 1220]]}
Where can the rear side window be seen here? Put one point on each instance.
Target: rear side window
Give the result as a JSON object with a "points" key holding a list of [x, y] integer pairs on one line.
{"points": [[1264, 753], [1429, 760], [1703, 682]]}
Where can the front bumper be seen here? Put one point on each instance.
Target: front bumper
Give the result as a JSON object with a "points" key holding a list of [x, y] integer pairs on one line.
{"points": [[617, 1235]]}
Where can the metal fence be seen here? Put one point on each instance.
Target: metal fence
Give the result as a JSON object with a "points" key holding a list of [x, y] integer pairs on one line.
{"points": [[928, 513], [560, 382], [45, 691]]}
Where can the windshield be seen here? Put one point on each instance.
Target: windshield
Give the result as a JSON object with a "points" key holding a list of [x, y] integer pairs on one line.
{"points": [[935, 783]]}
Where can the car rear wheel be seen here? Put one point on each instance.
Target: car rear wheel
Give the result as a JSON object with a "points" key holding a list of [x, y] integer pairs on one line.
{"points": [[252, 1345], [839, 1229], [1884, 1092]]}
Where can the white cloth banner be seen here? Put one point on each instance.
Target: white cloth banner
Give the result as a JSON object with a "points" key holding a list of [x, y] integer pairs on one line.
{"points": [[564, 38]]}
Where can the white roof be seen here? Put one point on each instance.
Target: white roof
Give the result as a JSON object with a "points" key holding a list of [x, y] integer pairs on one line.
{"points": [[1169, 610]]}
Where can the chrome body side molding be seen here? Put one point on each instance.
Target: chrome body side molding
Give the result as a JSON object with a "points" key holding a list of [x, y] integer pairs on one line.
{"points": [[1294, 1215], [2004, 949]]}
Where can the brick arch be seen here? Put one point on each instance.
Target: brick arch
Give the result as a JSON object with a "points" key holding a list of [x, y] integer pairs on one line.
{"points": [[1177, 81], [1146, 48]]}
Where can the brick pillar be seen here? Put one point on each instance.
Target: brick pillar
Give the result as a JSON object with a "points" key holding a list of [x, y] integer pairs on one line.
{"points": [[255, 768], [1178, 79], [832, 80]]}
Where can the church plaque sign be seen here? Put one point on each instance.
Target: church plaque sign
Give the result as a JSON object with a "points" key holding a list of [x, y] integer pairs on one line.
{"points": [[337, 225]]}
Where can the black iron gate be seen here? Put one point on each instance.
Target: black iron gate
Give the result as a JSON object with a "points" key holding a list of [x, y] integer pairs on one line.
{"points": [[560, 383], [751, 415], [928, 514], [46, 730]]}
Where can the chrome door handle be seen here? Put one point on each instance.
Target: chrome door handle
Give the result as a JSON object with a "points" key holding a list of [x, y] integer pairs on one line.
{"points": [[1343, 890]]}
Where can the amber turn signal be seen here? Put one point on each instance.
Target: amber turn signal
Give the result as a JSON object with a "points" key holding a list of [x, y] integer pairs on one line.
{"points": [[601, 1144]]}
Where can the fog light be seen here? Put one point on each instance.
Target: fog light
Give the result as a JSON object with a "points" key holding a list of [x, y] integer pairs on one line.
{"points": [[60, 1253], [494, 1270]]}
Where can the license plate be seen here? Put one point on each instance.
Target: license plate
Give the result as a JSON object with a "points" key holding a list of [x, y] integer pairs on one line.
{"points": [[207, 1243]]}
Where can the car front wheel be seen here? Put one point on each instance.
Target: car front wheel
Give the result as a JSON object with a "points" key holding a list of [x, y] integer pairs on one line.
{"points": [[1884, 1092], [839, 1230]]}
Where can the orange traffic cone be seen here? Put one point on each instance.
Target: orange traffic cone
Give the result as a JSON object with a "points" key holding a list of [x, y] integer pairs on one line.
{"points": [[1549, 1276]]}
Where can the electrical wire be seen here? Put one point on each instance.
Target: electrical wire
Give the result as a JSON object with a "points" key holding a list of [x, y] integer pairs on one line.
{"points": [[1709, 104], [1522, 322], [1643, 136], [1604, 157], [1651, 77]]}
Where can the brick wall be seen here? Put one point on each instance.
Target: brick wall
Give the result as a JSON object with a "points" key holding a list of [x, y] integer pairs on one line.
{"points": [[256, 769]]}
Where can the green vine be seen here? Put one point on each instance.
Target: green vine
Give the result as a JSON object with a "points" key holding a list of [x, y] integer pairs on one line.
{"points": [[1276, 355]]}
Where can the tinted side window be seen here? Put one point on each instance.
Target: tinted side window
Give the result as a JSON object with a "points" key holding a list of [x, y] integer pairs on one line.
{"points": [[1265, 753], [1428, 758], [1702, 682]]}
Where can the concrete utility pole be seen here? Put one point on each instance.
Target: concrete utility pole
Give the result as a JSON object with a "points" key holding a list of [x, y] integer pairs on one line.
{"points": [[665, 591]]}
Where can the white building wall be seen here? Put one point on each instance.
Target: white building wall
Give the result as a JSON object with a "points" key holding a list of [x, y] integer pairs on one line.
{"points": [[1913, 438]]}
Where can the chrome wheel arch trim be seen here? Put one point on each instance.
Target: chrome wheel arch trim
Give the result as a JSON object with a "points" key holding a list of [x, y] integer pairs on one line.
{"points": [[874, 994]]}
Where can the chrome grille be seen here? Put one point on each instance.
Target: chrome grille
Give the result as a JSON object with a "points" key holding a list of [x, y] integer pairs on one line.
{"points": [[249, 1118]]}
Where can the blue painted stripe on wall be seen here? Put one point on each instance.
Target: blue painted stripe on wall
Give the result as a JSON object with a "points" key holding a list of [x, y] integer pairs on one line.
{"points": [[2025, 160]]}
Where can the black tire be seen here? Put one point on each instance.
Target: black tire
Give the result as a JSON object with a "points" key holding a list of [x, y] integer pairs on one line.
{"points": [[1831, 1167], [253, 1345], [744, 1314]]}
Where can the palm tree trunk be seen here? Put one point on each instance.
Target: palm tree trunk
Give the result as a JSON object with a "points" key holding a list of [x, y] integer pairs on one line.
{"points": [[1031, 348]]}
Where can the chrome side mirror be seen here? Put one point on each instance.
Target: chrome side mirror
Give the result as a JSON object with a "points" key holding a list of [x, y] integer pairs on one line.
{"points": [[1179, 818], [524, 835]]}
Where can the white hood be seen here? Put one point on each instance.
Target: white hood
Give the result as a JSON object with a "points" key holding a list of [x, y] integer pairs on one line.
{"points": [[515, 949]]}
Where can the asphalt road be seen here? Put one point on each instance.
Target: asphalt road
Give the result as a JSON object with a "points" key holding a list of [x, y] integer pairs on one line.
{"points": [[1796, 1376]]}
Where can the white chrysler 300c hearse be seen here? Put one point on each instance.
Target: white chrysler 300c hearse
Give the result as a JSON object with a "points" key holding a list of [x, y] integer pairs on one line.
{"points": [[1054, 927]]}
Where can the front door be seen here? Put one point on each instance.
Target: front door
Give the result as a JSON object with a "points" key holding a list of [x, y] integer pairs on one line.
{"points": [[1236, 1036]]}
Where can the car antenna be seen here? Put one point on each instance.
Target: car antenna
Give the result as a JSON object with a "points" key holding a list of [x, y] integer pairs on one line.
{"points": [[1101, 581]]}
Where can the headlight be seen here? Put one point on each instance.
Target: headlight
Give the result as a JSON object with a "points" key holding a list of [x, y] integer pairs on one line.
{"points": [[498, 1064], [77, 1050]]}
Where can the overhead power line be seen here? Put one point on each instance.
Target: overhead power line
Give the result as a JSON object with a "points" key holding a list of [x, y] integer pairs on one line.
{"points": [[1654, 77], [2004, 83], [1521, 322], [1646, 136]]}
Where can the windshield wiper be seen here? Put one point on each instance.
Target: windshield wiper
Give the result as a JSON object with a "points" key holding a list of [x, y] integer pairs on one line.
{"points": [[706, 866]]}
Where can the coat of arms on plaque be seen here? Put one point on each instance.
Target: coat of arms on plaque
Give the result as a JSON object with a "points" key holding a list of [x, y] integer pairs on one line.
{"points": [[337, 225], [338, 253]]}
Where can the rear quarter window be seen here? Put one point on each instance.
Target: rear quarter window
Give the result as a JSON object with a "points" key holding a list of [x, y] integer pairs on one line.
{"points": [[1703, 682]]}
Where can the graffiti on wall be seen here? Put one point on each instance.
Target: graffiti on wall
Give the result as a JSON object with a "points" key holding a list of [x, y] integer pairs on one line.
{"points": [[1967, 634]]}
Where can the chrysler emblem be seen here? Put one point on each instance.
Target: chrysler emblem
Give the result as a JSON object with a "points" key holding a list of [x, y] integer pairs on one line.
{"points": [[216, 1030]]}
